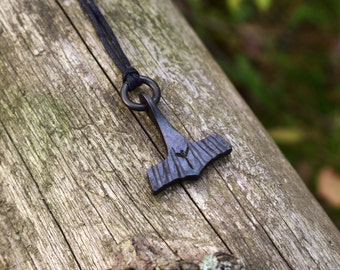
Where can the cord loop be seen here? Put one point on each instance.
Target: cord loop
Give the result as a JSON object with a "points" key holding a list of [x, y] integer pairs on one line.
{"points": [[131, 77]]}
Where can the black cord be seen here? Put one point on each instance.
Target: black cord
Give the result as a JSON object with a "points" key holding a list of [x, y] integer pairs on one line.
{"points": [[130, 75]]}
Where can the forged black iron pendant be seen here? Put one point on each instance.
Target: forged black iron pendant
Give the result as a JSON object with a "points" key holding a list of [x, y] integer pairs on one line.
{"points": [[186, 159]]}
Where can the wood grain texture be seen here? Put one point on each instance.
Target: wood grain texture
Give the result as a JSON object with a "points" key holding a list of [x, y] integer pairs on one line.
{"points": [[74, 188]]}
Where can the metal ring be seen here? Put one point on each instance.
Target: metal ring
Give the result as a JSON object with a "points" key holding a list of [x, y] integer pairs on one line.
{"points": [[156, 96]]}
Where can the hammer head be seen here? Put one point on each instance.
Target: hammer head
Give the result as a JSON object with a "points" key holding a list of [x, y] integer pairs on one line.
{"points": [[187, 160]]}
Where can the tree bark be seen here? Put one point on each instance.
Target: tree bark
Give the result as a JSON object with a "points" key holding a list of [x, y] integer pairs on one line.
{"points": [[74, 188]]}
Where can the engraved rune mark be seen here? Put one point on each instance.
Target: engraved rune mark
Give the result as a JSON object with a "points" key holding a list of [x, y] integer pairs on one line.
{"points": [[184, 154]]}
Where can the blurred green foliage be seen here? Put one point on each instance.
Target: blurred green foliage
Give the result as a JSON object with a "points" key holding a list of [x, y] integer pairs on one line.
{"points": [[284, 58]]}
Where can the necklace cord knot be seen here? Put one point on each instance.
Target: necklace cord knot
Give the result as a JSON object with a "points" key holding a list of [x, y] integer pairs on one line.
{"points": [[132, 78]]}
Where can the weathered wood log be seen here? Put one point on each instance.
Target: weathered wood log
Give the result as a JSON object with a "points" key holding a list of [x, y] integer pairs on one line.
{"points": [[74, 189]]}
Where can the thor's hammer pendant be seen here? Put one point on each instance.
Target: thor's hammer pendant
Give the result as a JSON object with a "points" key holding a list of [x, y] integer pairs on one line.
{"points": [[186, 159]]}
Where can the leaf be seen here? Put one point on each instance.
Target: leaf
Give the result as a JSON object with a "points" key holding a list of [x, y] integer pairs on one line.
{"points": [[329, 186], [263, 5], [234, 4], [287, 135]]}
